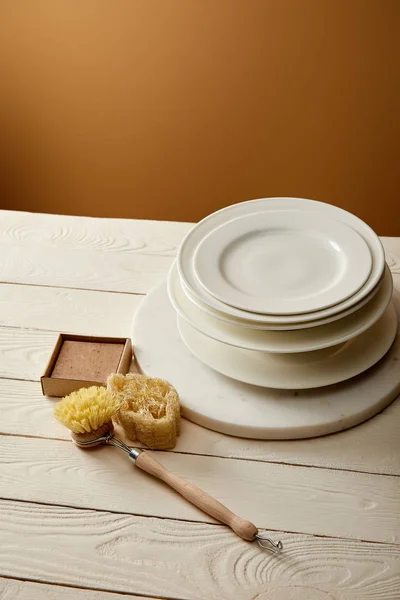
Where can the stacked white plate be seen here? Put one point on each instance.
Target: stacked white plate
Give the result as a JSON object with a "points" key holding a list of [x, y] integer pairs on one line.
{"points": [[284, 293]]}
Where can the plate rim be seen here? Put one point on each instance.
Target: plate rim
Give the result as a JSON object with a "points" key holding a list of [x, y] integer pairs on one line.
{"points": [[388, 319], [174, 281], [207, 273], [283, 325], [233, 408], [285, 203]]}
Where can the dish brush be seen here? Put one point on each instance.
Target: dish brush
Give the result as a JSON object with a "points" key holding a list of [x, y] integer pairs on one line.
{"points": [[88, 413]]}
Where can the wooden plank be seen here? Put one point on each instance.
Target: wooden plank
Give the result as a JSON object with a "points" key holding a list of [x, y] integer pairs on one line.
{"points": [[110, 235], [181, 560], [89, 269], [24, 352], [26, 412], [85, 253], [290, 498], [95, 254], [67, 310], [72, 310], [16, 589], [122, 236]]}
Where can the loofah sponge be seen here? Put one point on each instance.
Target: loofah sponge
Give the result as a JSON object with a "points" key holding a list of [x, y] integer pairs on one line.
{"points": [[149, 409]]}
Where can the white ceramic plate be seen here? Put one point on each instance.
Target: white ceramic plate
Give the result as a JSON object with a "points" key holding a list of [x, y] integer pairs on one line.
{"points": [[204, 227], [234, 408], [303, 340], [274, 325], [282, 262], [295, 371]]}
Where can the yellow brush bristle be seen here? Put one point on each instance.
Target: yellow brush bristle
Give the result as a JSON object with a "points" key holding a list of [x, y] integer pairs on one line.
{"points": [[87, 409]]}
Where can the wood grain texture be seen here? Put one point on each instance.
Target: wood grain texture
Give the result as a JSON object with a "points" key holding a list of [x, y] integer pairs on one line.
{"points": [[24, 352], [289, 498], [67, 310], [122, 236], [209, 505], [25, 411], [14, 589], [146, 555], [186, 561], [83, 311], [94, 254], [133, 236], [89, 269]]}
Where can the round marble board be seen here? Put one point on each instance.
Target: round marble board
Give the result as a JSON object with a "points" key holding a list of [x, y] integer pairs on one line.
{"points": [[228, 406]]}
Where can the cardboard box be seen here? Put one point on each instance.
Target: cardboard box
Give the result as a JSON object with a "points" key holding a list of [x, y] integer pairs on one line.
{"points": [[82, 361]]}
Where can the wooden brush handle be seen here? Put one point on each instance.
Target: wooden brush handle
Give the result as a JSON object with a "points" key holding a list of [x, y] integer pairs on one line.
{"points": [[206, 503]]}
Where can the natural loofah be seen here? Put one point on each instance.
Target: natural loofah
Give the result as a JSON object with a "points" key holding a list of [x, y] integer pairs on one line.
{"points": [[149, 409]]}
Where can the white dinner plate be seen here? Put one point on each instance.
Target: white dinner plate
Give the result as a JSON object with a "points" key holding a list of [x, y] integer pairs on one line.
{"points": [[295, 371], [303, 340], [234, 408], [279, 325], [204, 227], [282, 262]]}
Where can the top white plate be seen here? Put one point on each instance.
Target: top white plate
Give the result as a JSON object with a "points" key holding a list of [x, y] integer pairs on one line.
{"points": [[280, 323], [282, 262], [204, 227]]}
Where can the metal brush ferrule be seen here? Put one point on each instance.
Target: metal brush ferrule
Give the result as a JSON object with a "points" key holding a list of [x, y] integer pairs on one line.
{"points": [[133, 453]]}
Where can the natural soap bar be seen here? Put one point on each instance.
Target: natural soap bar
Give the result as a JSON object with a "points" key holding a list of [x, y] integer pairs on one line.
{"points": [[82, 361], [92, 361]]}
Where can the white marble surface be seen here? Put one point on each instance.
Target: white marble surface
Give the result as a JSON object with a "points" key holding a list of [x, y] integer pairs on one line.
{"points": [[228, 406]]}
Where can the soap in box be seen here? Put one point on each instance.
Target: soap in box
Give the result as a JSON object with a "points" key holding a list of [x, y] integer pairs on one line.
{"points": [[82, 361]]}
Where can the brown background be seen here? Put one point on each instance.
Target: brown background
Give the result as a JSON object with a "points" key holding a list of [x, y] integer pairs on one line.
{"points": [[170, 109]]}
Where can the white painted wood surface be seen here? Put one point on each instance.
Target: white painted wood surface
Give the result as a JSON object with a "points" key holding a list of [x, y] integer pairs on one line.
{"points": [[93, 254], [299, 499], [26, 412], [68, 310], [85, 275], [161, 557], [16, 589]]}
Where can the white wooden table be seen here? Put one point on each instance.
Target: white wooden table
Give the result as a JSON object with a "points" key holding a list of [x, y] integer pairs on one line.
{"points": [[87, 526]]}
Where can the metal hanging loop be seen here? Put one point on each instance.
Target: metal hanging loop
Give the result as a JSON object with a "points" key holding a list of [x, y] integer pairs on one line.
{"points": [[268, 544]]}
